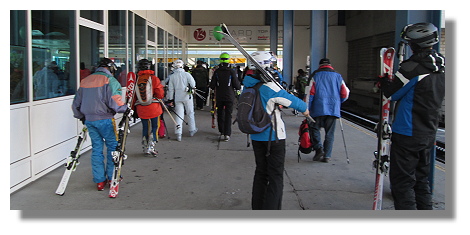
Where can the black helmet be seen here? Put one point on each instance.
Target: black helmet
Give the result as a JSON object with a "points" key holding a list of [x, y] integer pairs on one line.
{"points": [[106, 62], [423, 35], [143, 64]]}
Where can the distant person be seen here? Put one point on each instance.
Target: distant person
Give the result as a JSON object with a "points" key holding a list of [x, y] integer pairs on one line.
{"points": [[96, 102], [327, 93], [201, 76], [84, 72], [300, 83]]}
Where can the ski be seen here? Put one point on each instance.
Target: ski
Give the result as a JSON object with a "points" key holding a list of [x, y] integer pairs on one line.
{"points": [[123, 129], [213, 107], [384, 130], [72, 162], [266, 76]]}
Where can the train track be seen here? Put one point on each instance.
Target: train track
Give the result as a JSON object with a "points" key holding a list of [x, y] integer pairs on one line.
{"points": [[369, 124]]}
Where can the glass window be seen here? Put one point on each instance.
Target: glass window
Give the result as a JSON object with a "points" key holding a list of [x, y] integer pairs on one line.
{"points": [[161, 54], [130, 39], [117, 44], [151, 33], [52, 38], [140, 38], [18, 58], [93, 15], [91, 50]]}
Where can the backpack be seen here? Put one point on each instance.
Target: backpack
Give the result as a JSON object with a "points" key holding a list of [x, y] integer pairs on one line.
{"points": [[144, 90], [305, 139], [251, 116]]}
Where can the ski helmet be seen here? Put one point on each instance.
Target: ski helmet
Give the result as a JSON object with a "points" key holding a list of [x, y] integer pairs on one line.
{"points": [[264, 58], [178, 64], [144, 64], [106, 62], [423, 35], [224, 57]]}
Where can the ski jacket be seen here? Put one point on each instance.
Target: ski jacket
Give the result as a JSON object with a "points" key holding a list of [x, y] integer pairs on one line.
{"points": [[272, 96], [154, 109], [327, 92], [178, 83], [99, 97], [419, 89], [224, 81], [201, 76]]}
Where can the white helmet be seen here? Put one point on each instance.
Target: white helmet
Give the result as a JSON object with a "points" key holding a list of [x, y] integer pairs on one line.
{"points": [[264, 58], [178, 64]]}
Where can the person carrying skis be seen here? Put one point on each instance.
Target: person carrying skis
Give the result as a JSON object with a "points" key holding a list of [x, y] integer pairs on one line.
{"points": [[180, 92], [148, 90], [201, 76], [269, 146], [224, 82], [419, 89], [327, 92], [96, 102]]}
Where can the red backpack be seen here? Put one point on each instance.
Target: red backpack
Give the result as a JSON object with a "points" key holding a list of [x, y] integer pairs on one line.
{"points": [[305, 139]]}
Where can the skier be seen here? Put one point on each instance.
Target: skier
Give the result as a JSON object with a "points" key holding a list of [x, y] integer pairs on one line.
{"points": [[327, 92], [300, 83], [419, 89], [201, 76], [151, 109], [95, 103], [269, 145], [224, 81], [180, 87]]}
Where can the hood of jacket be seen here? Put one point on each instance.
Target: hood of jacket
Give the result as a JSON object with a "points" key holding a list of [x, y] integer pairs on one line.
{"points": [[430, 59], [250, 80]]}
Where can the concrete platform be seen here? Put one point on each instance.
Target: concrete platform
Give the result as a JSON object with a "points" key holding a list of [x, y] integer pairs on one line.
{"points": [[200, 173]]}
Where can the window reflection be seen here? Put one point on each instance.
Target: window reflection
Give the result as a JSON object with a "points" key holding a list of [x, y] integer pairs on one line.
{"points": [[51, 34], [117, 44], [18, 58]]}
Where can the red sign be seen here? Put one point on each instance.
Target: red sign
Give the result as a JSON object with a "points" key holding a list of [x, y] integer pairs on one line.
{"points": [[199, 34]]}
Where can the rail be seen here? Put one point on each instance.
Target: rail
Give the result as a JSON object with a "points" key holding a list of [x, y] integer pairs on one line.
{"points": [[369, 124]]}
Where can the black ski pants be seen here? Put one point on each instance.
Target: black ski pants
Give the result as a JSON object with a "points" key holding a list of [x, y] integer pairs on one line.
{"points": [[224, 117], [268, 182], [409, 171]]}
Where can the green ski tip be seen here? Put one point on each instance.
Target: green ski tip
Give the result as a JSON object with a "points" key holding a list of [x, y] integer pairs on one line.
{"points": [[218, 36]]}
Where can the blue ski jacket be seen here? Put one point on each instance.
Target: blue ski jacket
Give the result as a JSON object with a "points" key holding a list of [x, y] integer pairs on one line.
{"points": [[271, 96], [327, 92], [419, 89]]}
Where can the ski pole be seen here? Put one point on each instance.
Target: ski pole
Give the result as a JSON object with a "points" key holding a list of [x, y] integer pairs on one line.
{"points": [[164, 106], [344, 141]]}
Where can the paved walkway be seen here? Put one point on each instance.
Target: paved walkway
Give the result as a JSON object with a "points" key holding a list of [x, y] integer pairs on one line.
{"points": [[200, 173]]}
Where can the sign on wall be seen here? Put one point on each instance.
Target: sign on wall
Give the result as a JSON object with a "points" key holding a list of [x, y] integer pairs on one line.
{"points": [[243, 34]]}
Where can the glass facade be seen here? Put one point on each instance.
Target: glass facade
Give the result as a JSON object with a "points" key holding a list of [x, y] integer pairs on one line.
{"points": [[42, 60], [18, 58], [117, 43], [52, 35]]}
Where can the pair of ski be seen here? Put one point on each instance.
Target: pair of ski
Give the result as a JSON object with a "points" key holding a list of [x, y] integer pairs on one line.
{"points": [[118, 155], [266, 76], [384, 130]]}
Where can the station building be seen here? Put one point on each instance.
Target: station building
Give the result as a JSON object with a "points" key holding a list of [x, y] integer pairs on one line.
{"points": [[52, 50]]}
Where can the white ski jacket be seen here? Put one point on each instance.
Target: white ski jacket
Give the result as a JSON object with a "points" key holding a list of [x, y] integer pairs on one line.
{"points": [[178, 84]]}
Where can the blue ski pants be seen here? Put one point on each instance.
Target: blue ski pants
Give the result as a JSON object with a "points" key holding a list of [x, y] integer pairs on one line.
{"points": [[154, 125], [102, 132], [329, 124]]}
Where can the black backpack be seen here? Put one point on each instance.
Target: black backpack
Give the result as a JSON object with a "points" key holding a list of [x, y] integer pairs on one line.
{"points": [[251, 116]]}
